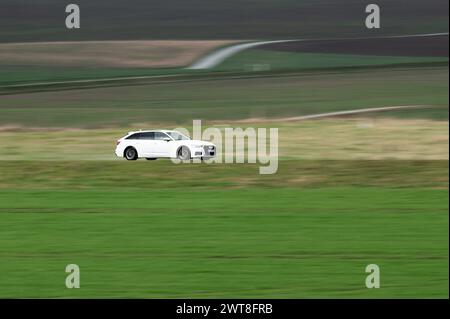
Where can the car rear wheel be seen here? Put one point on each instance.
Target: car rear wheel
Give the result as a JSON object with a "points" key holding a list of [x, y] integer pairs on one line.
{"points": [[131, 154], [184, 153]]}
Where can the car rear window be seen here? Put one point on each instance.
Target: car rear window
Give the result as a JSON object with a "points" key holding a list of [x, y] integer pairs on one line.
{"points": [[135, 136]]}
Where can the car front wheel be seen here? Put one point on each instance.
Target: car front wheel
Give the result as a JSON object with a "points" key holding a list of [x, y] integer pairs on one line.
{"points": [[184, 153], [131, 154]]}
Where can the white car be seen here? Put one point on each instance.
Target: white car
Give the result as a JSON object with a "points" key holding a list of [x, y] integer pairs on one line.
{"points": [[162, 143]]}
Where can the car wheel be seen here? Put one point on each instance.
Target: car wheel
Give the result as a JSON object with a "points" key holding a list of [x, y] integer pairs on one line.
{"points": [[184, 153], [151, 158], [131, 154]]}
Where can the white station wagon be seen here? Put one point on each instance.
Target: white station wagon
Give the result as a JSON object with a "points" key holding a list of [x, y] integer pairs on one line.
{"points": [[162, 143]]}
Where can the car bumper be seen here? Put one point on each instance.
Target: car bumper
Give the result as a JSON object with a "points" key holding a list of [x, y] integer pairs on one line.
{"points": [[205, 152]]}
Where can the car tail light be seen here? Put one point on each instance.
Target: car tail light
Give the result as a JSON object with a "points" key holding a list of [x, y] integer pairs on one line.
{"points": [[118, 142]]}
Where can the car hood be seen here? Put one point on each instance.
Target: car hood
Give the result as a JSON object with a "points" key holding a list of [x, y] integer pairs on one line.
{"points": [[195, 142]]}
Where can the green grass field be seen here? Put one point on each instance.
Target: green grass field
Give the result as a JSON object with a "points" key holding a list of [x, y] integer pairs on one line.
{"points": [[140, 231]]}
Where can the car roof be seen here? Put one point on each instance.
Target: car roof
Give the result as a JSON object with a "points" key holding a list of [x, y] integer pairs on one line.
{"points": [[146, 131]]}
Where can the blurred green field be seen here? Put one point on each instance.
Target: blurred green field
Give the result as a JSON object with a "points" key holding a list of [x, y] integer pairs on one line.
{"points": [[139, 230], [145, 175], [249, 62], [231, 98], [18, 74], [38, 62], [264, 60]]}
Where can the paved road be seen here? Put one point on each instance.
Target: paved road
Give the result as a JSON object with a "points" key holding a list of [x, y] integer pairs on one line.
{"points": [[338, 113], [215, 58]]}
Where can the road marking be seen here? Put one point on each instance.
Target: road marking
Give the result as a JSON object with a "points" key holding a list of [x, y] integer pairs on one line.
{"points": [[215, 58]]}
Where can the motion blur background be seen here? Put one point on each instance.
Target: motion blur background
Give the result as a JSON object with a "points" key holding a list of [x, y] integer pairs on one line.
{"points": [[349, 191]]}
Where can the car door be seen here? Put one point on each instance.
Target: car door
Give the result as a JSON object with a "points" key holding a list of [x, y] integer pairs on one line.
{"points": [[147, 140], [162, 144]]}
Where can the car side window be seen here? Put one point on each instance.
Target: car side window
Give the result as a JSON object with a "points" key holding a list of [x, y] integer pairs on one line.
{"points": [[148, 136], [160, 136]]}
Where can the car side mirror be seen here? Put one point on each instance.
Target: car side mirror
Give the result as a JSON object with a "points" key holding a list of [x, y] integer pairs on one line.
{"points": [[167, 139]]}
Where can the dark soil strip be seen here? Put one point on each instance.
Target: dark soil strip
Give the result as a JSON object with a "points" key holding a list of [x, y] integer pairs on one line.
{"points": [[436, 46]]}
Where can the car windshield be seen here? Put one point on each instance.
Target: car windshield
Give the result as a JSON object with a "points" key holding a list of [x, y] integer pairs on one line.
{"points": [[178, 136]]}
